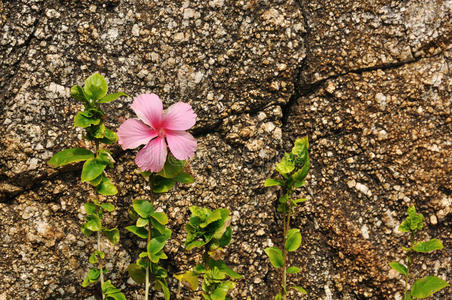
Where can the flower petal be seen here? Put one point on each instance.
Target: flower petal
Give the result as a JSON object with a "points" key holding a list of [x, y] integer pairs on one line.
{"points": [[152, 157], [182, 144], [179, 116], [149, 109], [133, 133]]}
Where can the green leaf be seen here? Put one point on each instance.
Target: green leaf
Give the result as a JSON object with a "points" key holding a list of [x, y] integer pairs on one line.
{"points": [[427, 286], [278, 296], [143, 208], [293, 270], [161, 184], [222, 290], [105, 156], [91, 208], [226, 238], [301, 174], [92, 168], [96, 181], [298, 201], [300, 146], [80, 120], [221, 265], [70, 156], [93, 223], [92, 258], [299, 289], [106, 187], [276, 256], [96, 86], [184, 178], [142, 222], [110, 137], [293, 240], [272, 182], [155, 245], [112, 97], [212, 217], [413, 222], [160, 217], [107, 207], [138, 273], [112, 235], [91, 277], [78, 94], [399, 267], [139, 231], [429, 246], [172, 167], [165, 289], [286, 165], [85, 230], [111, 292], [190, 279]]}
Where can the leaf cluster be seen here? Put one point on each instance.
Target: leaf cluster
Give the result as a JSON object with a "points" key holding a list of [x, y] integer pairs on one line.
{"points": [[293, 169], [212, 231], [91, 118], [150, 225], [172, 173], [427, 286], [207, 227], [95, 211]]}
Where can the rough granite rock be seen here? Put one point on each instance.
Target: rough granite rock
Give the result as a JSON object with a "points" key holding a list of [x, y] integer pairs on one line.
{"points": [[368, 82]]}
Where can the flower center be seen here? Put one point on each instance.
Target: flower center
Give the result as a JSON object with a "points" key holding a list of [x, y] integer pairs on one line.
{"points": [[161, 132]]}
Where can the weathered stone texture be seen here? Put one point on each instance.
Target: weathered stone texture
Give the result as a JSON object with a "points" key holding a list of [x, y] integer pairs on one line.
{"points": [[368, 81]]}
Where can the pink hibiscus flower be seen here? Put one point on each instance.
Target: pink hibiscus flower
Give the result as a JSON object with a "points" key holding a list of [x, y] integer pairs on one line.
{"points": [[153, 126]]}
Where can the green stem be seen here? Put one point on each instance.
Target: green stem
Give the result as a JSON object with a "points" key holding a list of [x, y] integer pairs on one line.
{"points": [[100, 265], [409, 263], [146, 290], [286, 225]]}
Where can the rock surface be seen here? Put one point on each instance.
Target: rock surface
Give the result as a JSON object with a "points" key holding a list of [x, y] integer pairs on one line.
{"points": [[370, 85]]}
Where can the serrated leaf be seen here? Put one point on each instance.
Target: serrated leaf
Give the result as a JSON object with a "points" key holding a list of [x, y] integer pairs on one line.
{"points": [[107, 207], [398, 267], [427, 286], [293, 270], [93, 223], [276, 256], [111, 97], [429, 246], [112, 235], [293, 241], [286, 165], [96, 86], [301, 146], [139, 231], [190, 279], [70, 156], [272, 182], [143, 208], [92, 168], [107, 187], [299, 289], [138, 273]]}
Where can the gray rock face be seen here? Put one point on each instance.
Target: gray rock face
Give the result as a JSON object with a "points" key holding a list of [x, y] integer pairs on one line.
{"points": [[369, 83]]}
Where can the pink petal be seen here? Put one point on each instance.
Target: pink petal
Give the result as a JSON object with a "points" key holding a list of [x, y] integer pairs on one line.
{"points": [[149, 109], [182, 144], [152, 157], [133, 133], [179, 116]]}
